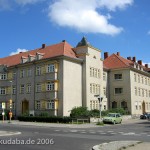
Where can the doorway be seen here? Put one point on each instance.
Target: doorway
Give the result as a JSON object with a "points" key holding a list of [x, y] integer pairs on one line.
{"points": [[25, 106]]}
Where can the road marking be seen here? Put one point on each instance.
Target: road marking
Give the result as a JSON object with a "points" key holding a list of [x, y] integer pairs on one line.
{"points": [[73, 130], [113, 133], [110, 131], [121, 132], [83, 132], [130, 133], [56, 130]]}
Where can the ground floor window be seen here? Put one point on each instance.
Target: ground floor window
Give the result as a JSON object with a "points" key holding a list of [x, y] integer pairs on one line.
{"points": [[114, 104], [50, 104], [94, 104], [38, 105]]}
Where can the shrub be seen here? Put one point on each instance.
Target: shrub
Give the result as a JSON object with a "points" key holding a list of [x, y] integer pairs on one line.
{"points": [[50, 119], [80, 112]]}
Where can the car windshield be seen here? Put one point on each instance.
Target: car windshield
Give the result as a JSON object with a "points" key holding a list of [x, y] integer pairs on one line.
{"points": [[111, 115]]}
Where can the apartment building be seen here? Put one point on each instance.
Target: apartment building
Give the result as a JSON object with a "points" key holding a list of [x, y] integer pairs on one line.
{"points": [[128, 83], [59, 77], [53, 79]]}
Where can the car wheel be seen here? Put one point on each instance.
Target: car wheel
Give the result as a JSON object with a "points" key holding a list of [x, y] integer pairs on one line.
{"points": [[120, 121]]}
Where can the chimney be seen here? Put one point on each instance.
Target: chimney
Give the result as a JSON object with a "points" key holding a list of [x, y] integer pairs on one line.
{"points": [[146, 65], [106, 55], [43, 45], [63, 40], [118, 53], [134, 59], [129, 58], [140, 62]]}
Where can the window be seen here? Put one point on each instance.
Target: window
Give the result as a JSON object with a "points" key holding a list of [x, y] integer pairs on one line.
{"points": [[2, 90], [135, 90], [136, 105], [50, 104], [146, 93], [13, 90], [95, 73], [22, 73], [28, 88], [0, 105], [118, 90], [50, 68], [104, 76], [90, 72], [143, 92], [139, 78], [38, 70], [29, 72], [149, 93], [114, 104], [3, 76], [22, 88], [145, 81], [14, 75], [139, 92], [118, 76], [38, 87], [135, 77], [90, 88], [50, 86], [98, 73], [104, 91], [38, 105]]}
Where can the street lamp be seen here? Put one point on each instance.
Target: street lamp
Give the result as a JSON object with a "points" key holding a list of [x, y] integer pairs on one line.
{"points": [[100, 105], [10, 103]]}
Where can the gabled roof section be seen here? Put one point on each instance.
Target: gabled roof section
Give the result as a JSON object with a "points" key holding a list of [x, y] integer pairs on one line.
{"points": [[114, 61], [83, 42], [60, 49]]}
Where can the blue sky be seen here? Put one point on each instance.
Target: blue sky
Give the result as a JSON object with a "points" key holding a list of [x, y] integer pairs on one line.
{"points": [[109, 25]]}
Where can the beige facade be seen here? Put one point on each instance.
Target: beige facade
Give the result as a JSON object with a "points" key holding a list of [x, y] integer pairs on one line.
{"points": [[58, 78]]}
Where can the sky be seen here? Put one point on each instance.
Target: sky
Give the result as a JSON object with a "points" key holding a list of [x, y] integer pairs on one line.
{"points": [[109, 25]]}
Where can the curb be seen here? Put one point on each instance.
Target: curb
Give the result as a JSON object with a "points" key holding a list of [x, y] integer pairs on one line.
{"points": [[115, 145], [7, 133]]}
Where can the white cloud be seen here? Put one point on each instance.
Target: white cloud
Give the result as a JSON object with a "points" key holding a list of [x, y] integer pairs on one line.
{"points": [[25, 2], [112, 5], [148, 32], [84, 16], [18, 51]]}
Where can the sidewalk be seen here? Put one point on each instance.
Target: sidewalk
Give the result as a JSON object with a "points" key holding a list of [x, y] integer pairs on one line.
{"points": [[145, 146], [121, 145]]}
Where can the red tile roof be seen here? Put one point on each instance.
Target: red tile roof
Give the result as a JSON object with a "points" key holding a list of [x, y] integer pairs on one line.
{"points": [[60, 49], [115, 62]]}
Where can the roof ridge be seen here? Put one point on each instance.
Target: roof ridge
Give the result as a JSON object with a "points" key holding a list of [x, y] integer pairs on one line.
{"points": [[121, 60]]}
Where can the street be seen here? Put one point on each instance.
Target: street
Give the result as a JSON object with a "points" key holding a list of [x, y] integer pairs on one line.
{"points": [[66, 138]]}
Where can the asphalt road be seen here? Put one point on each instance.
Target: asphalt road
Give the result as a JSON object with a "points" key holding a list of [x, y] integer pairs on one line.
{"points": [[53, 138]]}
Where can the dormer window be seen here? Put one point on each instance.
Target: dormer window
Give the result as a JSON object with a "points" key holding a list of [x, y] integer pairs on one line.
{"points": [[24, 59], [31, 58], [39, 55]]}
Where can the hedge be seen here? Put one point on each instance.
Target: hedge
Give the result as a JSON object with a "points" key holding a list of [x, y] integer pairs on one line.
{"points": [[50, 119]]}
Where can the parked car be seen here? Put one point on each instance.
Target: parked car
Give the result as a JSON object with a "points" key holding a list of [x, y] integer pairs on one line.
{"points": [[112, 118], [145, 116]]}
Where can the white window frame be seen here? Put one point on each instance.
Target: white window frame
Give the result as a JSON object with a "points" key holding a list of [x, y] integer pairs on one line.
{"points": [[38, 87], [50, 86], [3, 76], [2, 91], [50, 68], [50, 104]]}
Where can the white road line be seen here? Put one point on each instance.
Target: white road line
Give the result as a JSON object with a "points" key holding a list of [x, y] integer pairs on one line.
{"points": [[110, 131], [57, 130]]}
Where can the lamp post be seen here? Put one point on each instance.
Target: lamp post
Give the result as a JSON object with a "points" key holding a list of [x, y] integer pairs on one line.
{"points": [[100, 105], [10, 103]]}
